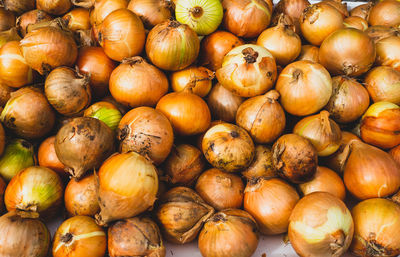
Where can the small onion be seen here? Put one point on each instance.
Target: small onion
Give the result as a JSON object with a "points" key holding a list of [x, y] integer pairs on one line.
{"points": [[229, 233], [79, 236], [395, 152], [320, 225], [262, 164], [19, 6], [248, 70], [270, 202], [102, 8], [386, 13], [152, 12], [293, 9], [198, 78], [7, 19], [356, 22], [388, 52], [383, 84], [47, 157], [54, 7], [31, 17], [77, 19], [106, 112], [309, 53], [127, 186], [361, 10]]}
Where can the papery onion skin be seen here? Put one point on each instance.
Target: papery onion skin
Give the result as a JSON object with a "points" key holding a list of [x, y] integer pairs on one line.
{"points": [[262, 164], [320, 225], [349, 100], [102, 8], [79, 236], [127, 186], [395, 152], [355, 22], [47, 157], [7, 19], [270, 202], [229, 233], [339, 5], [308, 53], [376, 222], [198, 78], [388, 52], [77, 19], [380, 32], [152, 12], [292, 8], [361, 10], [383, 84], [339, 53], [31, 17], [54, 7], [386, 12], [305, 87], [19, 6]]}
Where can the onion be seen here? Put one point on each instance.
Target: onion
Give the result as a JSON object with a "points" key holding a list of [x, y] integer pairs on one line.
{"points": [[380, 125], [25, 237], [349, 100], [181, 214], [361, 10], [47, 48], [215, 46], [184, 165], [383, 84], [139, 236], [262, 117], [380, 32], [54, 7], [220, 189], [84, 3], [47, 156], [395, 152], [340, 53], [9, 35], [229, 233], [339, 5], [318, 21], [387, 52], [122, 108], [356, 22], [325, 180], [67, 91], [121, 35], [77, 19], [293, 9], [81, 198], [223, 103], [270, 202], [35, 191], [79, 236], [309, 53], [31, 17], [376, 223], [102, 8], [7, 19], [83, 144], [246, 18], [305, 87], [135, 83], [19, 6], [320, 225], [198, 78], [262, 164], [151, 12], [287, 151], [172, 46], [248, 70], [386, 13], [369, 172], [28, 114], [14, 71], [228, 147], [147, 132], [5, 94], [187, 112], [127, 186], [106, 112]]}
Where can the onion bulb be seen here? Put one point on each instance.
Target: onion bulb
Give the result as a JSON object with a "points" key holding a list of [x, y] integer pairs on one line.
{"points": [[383, 84], [262, 164], [320, 225], [151, 12], [102, 8], [309, 53], [19, 6], [293, 9], [47, 157], [355, 22], [388, 52], [395, 152], [198, 78], [77, 19], [31, 17], [386, 13], [361, 10], [54, 7], [9, 35], [106, 112]]}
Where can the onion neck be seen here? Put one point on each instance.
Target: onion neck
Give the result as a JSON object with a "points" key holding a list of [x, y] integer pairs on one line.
{"points": [[219, 217], [249, 55], [339, 239], [196, 12], [326, 124], [173, 24], [66, 238], [272, 96], [133, 60]]}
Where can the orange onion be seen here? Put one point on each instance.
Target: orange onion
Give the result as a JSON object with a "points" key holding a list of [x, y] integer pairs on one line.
{"points": [[388, 52], [198, 78], [309, 53], [77, 19], [293, 9], [383, 84], [7, 19], [152, 12], [385, 12], [356, 22], [31, 17], [102, 8], [47, 156], [361, 10], [54, 7], [395, 152], [262, 165]]}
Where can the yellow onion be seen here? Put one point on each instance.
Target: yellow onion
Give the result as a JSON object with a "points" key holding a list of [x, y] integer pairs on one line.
{"points": [[152, 12], [385, 12], [28, 113], [19, 6], [320, 225], [361, 10], [172, 46], [228, 147], [318, 21], [388, 52], [31, 17], [136, 83], [293, 9], [270, 202], [379, 32], [7, 19], [36, 191], [248, 70], [369, 172], [309, 53], [376, 223], [9, 35], [139, 236], [356, 22], [77, 19], [47, 157], [340, 52], [26, 237], [305, 87], [80, 197], [262, 117], [102, 8], [79, 236], [147, 132], [18, 155], [106, 112], [127, 186], [349, 100], [325, 180], [262, 164], [395, 152], [181, 214], [229, 233], [198, 78], [383, 84], [54, 7], [246, 18], [220, 189]]}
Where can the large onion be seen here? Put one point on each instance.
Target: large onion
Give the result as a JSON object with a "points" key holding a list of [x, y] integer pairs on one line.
{"points": [[386, 12], [152, 12], [383, 84]]}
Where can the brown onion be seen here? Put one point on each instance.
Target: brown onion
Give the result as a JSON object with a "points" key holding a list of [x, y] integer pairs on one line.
{"points": [[184, 165], [388, 52], [47, 156], [229, 233], [309, 53], [77, 19], [355, 22], [262, 164], [262, 117], [31, 17], [246, 18], [80, 197], [198, 78], [54, 7], [292, 8], [181, 214], [7, 19], [19, 6], [83, 144], [248, 70], [5, 94], [220, 189], [139, 236], [305, 87], [102, 8], [349, 100], [383, 84], [386, 13], [361, 10], [395, 152], [136, 83], [152, 12], [147, 132], [215, 46]]}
